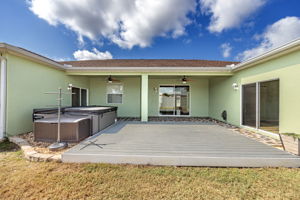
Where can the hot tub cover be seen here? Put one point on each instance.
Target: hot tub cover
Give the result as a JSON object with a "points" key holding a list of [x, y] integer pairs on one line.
{"points": [[92, 109], [63, 119]]}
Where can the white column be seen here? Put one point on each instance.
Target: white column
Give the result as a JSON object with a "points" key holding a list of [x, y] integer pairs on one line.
{"points": [[144, 98], [3, 98]]}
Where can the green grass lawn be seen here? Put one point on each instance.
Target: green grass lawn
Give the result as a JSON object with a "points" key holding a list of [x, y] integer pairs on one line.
{"points": [[21, 179]]}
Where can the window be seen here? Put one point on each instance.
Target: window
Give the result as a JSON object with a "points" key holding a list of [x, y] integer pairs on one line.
{"points": [[114, 93]]}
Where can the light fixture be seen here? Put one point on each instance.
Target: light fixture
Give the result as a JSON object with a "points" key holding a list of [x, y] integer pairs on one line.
{"points": [[184, 80], [109, 79], [235, 86], [70, 85]]}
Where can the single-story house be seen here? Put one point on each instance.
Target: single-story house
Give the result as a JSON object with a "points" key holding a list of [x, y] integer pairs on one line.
{"points": [[261, 93]]}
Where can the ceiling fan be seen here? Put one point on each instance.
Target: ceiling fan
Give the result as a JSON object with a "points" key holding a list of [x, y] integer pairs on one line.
{"points": [[184, 80], [111, 80]]}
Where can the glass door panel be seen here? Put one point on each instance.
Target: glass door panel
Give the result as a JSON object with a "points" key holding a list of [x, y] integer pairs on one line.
{"points": [[75, 97], [83, 97], [182, 100], [249, 105], [166, 100], [269, 106]]}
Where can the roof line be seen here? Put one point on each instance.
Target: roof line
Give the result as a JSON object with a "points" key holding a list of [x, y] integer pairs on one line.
{"points": [[281, 50], [31, 55], [145, 69]]}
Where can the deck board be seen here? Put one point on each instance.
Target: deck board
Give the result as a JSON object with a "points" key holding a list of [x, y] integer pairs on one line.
{"points": [[178, 144]]}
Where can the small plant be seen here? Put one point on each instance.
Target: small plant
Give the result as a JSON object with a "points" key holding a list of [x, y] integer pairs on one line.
{"points": [[6, 145], [294, 135]]}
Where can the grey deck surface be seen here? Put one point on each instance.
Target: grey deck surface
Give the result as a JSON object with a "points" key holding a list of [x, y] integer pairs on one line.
{"points": [[180, 144]]}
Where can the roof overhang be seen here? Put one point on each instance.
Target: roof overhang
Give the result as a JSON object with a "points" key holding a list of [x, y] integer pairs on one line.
{"points": [[274, 53], [6, 48], [148, 70], [226, 70]]}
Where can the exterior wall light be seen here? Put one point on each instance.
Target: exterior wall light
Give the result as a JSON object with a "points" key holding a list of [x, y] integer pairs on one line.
{"points": [[235, 86], [70, 85]]}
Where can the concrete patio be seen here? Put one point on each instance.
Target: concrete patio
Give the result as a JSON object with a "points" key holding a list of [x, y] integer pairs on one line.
{"points": [[177, 144]]}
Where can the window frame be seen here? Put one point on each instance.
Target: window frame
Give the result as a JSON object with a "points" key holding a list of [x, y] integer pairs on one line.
{"points": [[110, 84], [87, 96], [257, 127]]}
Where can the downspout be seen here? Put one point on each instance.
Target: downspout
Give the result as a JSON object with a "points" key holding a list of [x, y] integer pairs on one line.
{"points": [[3, 88]]}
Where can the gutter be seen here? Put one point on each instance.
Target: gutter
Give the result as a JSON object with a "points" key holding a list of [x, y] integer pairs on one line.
{"points": [[279, 51], [32, 56], [148, 69], [3, 91]]}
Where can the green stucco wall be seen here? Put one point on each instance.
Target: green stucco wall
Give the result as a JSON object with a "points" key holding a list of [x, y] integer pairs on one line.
{"points": [[131, 105], [285, 68], [199, 93], [27, 82]]}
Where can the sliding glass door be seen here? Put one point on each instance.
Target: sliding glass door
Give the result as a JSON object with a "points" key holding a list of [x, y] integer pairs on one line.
{"points": [[260, 105], [174, 100], [79, 97], [269, 106], [182, 100], [249, 105], [167, 100]]}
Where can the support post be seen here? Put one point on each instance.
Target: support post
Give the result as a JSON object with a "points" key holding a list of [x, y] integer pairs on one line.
{"points": [[3, 98], [144, 98]]}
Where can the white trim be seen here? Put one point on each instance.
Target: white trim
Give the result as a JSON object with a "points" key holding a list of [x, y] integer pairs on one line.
{"points": [[241, 105], [3, 97], [33, 56], [190, 100], [284, 49], [153, 69], [274, 135], [257, 104]]}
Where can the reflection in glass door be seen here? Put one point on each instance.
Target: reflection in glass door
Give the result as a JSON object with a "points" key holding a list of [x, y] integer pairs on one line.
{"points": [[260, 103], [166, 100], [174, 100], [182, 100], [269, 106], [249, 105]]}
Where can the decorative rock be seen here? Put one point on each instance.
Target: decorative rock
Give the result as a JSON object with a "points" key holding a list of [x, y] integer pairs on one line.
{"points": [[31, 154]]}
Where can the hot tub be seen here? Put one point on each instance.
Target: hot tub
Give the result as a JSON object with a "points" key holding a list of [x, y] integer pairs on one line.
{"points": [[101, 116], [73, 129]]}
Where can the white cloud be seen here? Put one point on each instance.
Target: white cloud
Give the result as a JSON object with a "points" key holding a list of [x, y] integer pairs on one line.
{"points": [[228, 14], [275, 35], [125, 22], [94, 55], [226, 50]]}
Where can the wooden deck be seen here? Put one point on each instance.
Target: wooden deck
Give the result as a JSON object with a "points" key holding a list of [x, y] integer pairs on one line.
{"points": [[178, 144]]}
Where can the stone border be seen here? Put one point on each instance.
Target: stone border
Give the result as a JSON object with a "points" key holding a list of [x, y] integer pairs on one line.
{"points": [[31, 154]]}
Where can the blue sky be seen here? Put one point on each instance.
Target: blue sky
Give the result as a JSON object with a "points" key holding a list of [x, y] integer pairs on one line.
{"points": [[176, 29]]}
